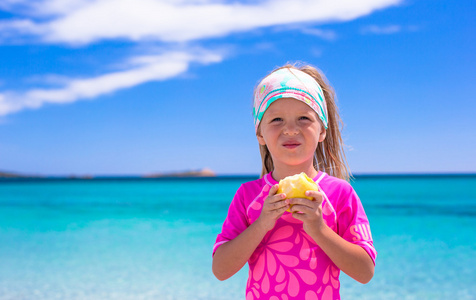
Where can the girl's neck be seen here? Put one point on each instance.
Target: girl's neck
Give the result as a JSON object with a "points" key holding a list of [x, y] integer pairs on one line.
{"points": [[281, 172]]}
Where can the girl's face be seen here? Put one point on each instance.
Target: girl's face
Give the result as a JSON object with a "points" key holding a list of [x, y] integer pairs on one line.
{"points": [[291, 130]]}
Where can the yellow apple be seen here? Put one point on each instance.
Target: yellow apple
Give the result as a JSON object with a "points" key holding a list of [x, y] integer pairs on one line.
{"points": [[295, 186]]}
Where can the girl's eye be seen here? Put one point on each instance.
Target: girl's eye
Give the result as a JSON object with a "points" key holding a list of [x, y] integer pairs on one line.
{"points": [[303, 118], [276, 120]]}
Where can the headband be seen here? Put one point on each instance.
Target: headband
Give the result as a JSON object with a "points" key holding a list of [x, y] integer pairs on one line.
{"points": [[288, 83]]}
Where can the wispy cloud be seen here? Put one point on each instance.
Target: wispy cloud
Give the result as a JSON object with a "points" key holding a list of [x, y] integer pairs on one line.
{"points": [[325, 34], [374, 29], [317, 52], [144, 69], [388, 29], [164, 22]]}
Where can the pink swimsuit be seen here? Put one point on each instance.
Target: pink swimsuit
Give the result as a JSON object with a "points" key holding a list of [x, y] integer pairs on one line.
{"points": [[288, 264]]}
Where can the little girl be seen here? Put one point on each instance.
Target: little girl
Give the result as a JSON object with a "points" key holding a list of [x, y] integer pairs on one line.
{"points": [[296, 254]]}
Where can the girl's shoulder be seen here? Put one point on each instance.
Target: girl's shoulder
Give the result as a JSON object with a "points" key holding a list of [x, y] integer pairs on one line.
{"points": [[339, 191], [252, 191], [334, 183], [254, 185]]}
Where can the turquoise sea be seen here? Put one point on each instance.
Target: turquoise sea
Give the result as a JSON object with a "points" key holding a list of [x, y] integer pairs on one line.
{"points": [[133, 238]]}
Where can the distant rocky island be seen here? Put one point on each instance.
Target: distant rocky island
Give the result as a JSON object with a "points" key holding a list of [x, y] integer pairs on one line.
{"points": [[16, 175], [190, 173]]}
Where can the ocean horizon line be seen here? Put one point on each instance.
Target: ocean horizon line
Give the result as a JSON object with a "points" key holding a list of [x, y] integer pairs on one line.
{"points": [[221, 176]]}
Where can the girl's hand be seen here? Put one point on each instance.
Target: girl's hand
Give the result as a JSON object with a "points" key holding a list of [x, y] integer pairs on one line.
{"points": [[309, 212], [274, 207]]}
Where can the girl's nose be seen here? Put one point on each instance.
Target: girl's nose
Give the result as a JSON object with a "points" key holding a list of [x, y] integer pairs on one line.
{"points": [[290, 129]]}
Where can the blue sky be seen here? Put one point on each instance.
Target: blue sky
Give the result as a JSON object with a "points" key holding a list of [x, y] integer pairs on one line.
{"points": [[129, 87]]}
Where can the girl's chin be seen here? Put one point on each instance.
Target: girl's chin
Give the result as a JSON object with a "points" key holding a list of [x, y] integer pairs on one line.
{"points": [[296, 164]]}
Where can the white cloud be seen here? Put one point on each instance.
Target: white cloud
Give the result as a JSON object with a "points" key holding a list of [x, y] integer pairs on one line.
{"points": [[145, 69], [16, 29], [84, 22], [168, 22], [42, 8]]}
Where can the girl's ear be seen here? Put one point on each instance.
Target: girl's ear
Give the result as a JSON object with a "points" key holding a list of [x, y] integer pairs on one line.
{"points": [[322, 135], [260, 139]]}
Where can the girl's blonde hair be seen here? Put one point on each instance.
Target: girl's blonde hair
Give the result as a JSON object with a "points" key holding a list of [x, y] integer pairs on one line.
{"points": [[329, 156]]}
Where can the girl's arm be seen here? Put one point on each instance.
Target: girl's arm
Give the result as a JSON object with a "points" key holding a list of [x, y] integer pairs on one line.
{"points": [[231, 256], [350, 258]]}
